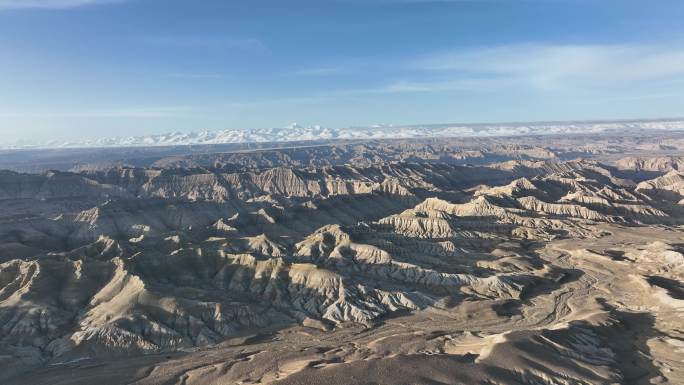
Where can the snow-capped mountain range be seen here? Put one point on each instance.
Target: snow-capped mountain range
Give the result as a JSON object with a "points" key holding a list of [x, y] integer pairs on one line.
{"points": [[295, 132]]}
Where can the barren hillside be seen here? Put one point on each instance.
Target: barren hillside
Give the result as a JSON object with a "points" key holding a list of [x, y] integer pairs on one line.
{"points": [[259, 268]]}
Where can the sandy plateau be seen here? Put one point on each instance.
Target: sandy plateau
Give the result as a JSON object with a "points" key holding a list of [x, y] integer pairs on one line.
{"points": [[364, 263]]}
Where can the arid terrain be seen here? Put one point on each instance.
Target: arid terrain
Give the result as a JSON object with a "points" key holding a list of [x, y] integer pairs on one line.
{"points": [[526, 260]]}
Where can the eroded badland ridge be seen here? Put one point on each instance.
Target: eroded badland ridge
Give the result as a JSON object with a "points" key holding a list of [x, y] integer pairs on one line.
{"points": [[493, 261]]}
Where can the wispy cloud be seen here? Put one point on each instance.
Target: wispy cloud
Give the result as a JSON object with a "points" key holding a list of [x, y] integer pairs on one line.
{"points": [[51, 4], [122, 112], [391, 2], [521, 67], [407, 86], [318, 71], [524, 67], [561, 66], [206, 42], [201, 109], [192, 75]]}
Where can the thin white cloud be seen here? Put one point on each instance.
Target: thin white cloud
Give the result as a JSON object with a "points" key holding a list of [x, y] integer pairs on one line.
{"points": [[318, 71], [525, 67], [393, 2], [215, 108], [192, 75], [561, 66], [404, 86], [206, 42], [123, 112], [627, 98], [51, 4]]}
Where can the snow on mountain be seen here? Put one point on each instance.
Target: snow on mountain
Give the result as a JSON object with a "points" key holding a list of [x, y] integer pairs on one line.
{"points": [[295, 132]]}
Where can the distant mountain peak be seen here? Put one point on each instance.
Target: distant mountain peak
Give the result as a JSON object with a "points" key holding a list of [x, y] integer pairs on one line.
{"points": [[295, 132]]}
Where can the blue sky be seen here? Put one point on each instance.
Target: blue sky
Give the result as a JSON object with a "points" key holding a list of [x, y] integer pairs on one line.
{"points": [[92, 68]]}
